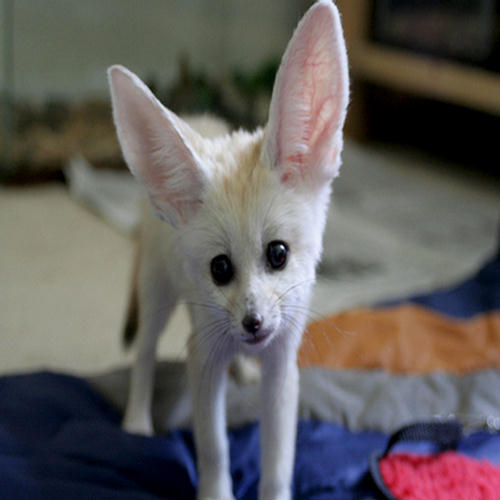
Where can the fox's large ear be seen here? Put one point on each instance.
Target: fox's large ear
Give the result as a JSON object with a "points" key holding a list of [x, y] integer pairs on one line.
{"points": [[303, 138], [155, 146]]}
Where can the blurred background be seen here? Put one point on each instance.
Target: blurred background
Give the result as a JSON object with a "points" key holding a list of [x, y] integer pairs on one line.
{"points": [[416, 207]]}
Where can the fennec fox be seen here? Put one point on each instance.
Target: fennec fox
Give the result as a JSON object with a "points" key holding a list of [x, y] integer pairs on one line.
{"points": [[237, 237]]}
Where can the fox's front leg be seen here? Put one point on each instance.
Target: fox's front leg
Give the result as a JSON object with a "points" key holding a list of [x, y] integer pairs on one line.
{"points": [[207, 380], [278, 429]]}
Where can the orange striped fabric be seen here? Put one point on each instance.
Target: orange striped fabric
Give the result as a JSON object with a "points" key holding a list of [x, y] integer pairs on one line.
{"points": [[403, 339]]}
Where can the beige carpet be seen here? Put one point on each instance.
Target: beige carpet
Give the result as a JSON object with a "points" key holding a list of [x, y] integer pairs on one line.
{"points": [[63, 285]]}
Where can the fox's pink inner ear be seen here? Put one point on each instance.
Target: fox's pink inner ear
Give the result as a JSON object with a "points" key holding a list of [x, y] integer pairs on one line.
{"points": [[309, 102], [155, 149]]}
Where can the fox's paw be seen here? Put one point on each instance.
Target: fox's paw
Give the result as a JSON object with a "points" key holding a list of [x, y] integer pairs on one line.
{"points": [[271, 492], [215, 487], [140, 426]]}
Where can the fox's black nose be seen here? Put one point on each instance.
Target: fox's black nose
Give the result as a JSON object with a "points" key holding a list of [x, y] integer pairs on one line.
{"points": [[252, 322]]}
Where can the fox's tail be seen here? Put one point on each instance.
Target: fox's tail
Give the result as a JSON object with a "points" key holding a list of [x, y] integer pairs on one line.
{"points": [[132, 319]]}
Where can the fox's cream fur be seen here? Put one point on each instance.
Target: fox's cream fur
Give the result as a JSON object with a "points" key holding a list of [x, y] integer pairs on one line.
{"points": [[237, 238]]}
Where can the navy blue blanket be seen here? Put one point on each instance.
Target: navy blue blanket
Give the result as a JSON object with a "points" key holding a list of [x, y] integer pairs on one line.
{"points": [[60, 440], [478, 294]]}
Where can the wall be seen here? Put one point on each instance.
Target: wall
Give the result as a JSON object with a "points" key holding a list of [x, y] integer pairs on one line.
{"points": [[62, 47]]}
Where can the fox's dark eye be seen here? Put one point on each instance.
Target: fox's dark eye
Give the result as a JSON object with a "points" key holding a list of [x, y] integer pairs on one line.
{"points": [[221, 269], [277, 253]]}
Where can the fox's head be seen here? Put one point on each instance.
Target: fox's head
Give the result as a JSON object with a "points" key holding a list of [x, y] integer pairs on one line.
{"points": [[249, 209]]}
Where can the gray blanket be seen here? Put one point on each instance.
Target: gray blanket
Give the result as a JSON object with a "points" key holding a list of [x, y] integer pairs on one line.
{"points": [[359, 400]]}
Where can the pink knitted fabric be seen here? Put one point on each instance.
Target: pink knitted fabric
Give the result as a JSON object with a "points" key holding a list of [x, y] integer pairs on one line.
{"points": [[446, 476]]}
